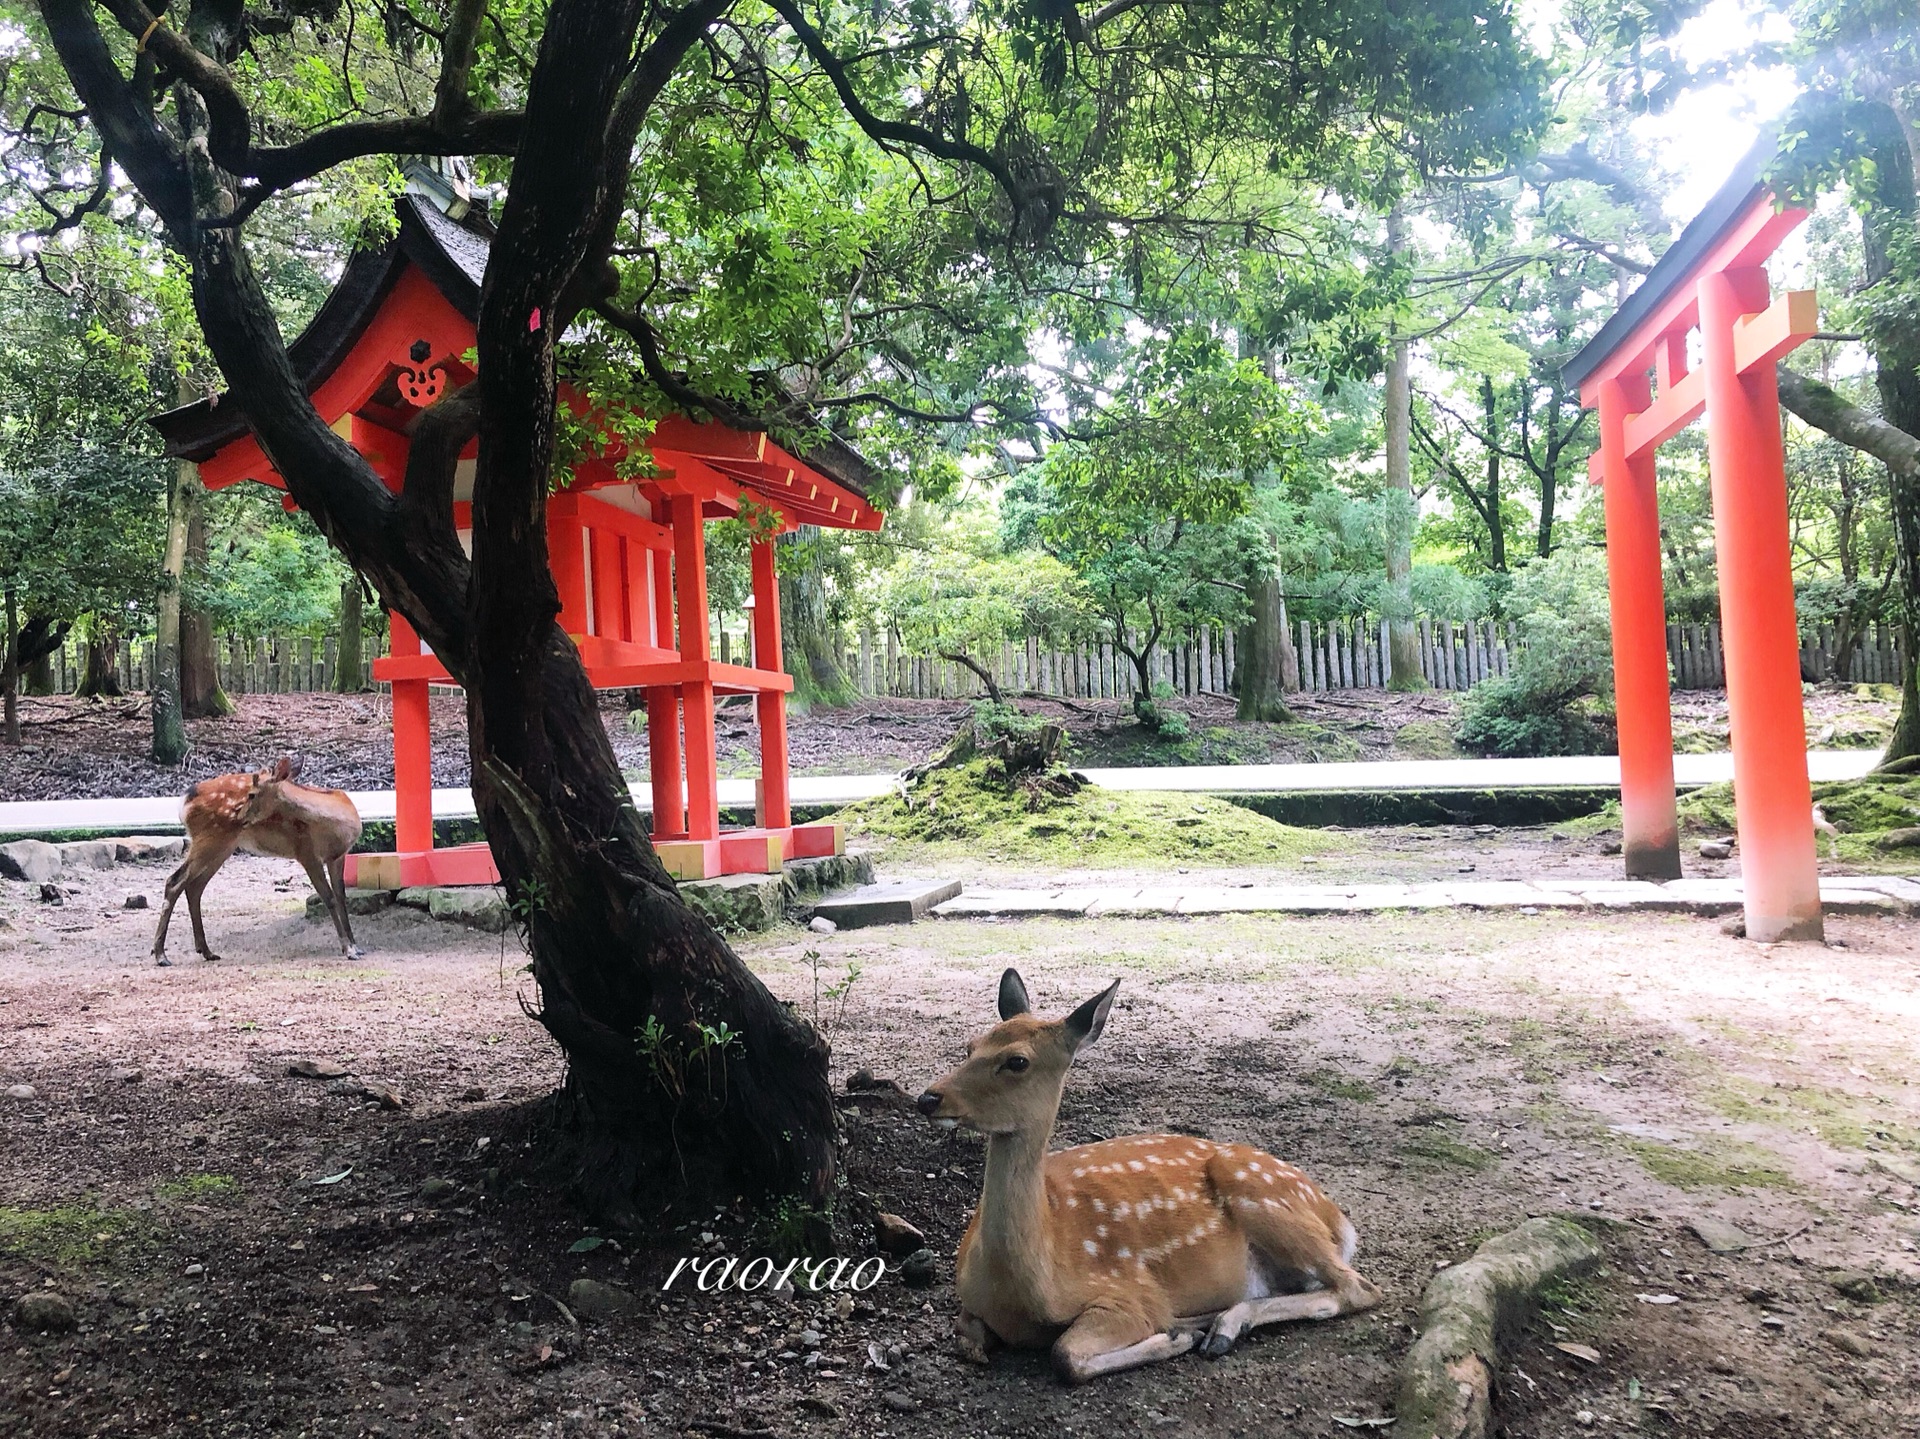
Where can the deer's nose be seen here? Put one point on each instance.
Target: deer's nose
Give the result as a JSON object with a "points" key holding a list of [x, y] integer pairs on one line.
{"points": [[929, 1102]]}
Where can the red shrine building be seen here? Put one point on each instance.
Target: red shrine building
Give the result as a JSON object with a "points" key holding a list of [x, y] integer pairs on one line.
{"points": [[1709, 296], [628, 555]]}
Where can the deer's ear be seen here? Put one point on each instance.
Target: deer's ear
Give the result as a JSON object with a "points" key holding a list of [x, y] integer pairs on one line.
{"points": [[1086, 1022], [283, 769], [292, 762], [1013, 995]]}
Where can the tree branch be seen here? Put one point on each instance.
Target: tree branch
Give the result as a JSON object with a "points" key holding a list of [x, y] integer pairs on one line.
{"points": [[899, 132], [1821, 406]]}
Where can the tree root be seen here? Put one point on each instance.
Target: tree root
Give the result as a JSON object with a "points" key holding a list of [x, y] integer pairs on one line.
{"points": [[1447, 1381]]}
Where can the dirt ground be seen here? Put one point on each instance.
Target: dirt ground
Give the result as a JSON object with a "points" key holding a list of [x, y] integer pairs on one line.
{"points": [[85, 749], [252, 1254]]}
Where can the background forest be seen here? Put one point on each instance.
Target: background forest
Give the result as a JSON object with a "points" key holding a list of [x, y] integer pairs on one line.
{"points": [[1349, 407]]}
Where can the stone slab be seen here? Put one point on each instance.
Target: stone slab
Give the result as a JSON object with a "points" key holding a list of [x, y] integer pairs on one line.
{"points": [[88, 854], [894, 902], [1025, 904], [147, 849], [32, 860], [1720, 1236]]}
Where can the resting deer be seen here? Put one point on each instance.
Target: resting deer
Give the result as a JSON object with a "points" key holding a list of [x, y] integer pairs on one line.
{"points": [[1120, 1253], [268, 813]]}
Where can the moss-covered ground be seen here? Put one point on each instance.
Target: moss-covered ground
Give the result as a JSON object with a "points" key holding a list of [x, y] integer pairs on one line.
{"points": [[963, 813]]}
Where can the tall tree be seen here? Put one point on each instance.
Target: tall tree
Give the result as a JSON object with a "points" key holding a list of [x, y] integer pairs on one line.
{"points": [[1009, 149]]}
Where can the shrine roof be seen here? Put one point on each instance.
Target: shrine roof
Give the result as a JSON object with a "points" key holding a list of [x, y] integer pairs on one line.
{"points": [[1717, 218], [453, 255]]}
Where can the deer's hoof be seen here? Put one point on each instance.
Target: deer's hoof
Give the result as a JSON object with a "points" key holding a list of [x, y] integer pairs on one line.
{"points": [[1218, 1344], [210, 957], [163, 961], [355, 952]]}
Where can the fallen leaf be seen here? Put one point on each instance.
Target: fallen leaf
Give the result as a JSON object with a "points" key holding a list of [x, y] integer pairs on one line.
{"points": [[1659, 1298], [335, 1178], [1580, 1351], [582, 1245], [1346, 1421]]}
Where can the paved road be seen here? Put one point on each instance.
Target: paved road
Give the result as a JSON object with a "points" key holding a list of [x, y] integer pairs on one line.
{"points": [[1840, 894], [1580, 772]]}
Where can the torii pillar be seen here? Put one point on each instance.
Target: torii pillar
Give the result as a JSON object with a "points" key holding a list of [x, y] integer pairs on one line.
{"points": [[1713, 278]]}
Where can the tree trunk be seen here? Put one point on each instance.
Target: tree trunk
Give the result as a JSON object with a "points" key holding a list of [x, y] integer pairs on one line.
{"points": [[807, 632], [1887, 229], [34, 647], [1260, 661], [349, 656], [1496, 521], [1396, 605], [99, 670], [201, 694], [10, 675], [169, 734], [36, 676], [683, 1071], [980, 673]]}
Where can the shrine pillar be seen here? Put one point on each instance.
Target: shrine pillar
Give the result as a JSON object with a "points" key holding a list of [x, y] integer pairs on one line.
{"points": [[1650, 827], [775, 807], [412, 749], [696, 696], [1760, 638]]}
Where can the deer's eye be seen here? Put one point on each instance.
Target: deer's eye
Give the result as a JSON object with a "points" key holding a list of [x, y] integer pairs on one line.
{"points": [[1016, 1063]]}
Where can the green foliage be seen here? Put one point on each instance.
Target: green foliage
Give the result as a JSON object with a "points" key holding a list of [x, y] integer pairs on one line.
{"points": [[1552, 700], [268, 572], [952, 589]]}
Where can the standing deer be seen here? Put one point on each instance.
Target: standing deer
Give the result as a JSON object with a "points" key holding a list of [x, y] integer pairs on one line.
{"points": [[267, 813], [1120, 1253]]}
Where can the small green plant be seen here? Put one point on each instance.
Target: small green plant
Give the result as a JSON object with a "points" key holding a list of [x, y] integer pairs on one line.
{"points": [[199, 1188], [835, 993]]}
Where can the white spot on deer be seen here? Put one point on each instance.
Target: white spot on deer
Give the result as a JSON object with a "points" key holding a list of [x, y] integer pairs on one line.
{"points": [[1099, 1206], [1122, 1210], [1125, 1253], [1090, 1246], [1136, 1166], [1101, 1230]]}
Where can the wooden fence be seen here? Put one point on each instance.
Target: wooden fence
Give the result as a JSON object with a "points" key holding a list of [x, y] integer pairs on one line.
{"points": [[266, 664], [1339, 655]]}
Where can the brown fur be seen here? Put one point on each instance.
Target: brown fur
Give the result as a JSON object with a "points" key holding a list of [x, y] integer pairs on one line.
{"points": [[268, 813], [1120, 1253]]}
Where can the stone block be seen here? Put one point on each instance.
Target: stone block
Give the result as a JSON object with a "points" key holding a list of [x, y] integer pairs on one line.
{"points": [[142, 849], [738, 903], [897, 902], [33, 860], [359, 901], [88, 854], [481, 907]]}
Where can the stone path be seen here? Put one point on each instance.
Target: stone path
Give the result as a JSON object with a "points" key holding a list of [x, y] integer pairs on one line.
{"points": [[1847, 894], [1573, 772]]}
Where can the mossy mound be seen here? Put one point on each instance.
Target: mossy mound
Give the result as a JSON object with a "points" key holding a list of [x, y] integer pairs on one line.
{"points": [[1868, 812], [968, 812], [1426, 739]]}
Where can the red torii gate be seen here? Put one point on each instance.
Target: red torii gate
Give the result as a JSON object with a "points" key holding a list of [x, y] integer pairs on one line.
{"points": [[1713, 278], [628, 555]]}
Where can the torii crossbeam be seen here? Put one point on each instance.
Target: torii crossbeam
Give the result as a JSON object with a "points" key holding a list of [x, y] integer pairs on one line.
{"points": [[1635, 372]]}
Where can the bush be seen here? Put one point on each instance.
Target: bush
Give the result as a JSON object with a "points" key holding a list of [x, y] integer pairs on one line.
{"points": [[1557, 697]]}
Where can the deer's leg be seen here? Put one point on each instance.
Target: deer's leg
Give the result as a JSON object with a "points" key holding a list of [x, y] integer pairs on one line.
{"points": [[976, 1341], [201, 868], [1106, 1341], [176, 882], [325, 884], [337, 872]]}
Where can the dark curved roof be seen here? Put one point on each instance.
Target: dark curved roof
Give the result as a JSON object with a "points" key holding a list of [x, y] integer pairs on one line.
{"points": [[453, 255], [1728, 204]]}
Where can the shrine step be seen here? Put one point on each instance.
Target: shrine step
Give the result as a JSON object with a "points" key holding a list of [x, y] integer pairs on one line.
{"points": [[752, 903], [900, 901]]}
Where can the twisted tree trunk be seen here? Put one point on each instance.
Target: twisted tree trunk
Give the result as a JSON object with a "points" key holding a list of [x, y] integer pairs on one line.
{"points": [[683, 1072]]}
